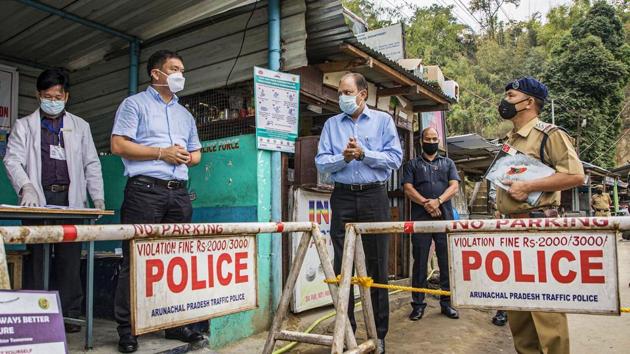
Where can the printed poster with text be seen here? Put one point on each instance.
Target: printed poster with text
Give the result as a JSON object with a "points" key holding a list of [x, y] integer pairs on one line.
{"points": [[277, 97]]}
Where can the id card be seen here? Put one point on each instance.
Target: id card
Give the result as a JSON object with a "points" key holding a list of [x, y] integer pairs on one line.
{"points": [[57, 152]]}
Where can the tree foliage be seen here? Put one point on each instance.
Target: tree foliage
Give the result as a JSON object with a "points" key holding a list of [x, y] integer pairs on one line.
{"points": [[581, 51]]}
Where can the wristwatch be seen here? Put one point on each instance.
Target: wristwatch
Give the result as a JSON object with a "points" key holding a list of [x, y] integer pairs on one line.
{"points": [[361, 157], [440, 200]]}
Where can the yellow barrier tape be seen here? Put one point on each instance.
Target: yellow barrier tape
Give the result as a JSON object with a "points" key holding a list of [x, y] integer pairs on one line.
{"points": [[368, 282]]}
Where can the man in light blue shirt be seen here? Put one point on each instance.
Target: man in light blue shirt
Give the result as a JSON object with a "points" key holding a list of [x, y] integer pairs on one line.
{"points": [[360, 148], [157, 140]]}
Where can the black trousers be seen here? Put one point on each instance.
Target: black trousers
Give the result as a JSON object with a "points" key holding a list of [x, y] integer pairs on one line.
{"points": [[364, 206], [421, 245], [145, 204], [66, 262]]}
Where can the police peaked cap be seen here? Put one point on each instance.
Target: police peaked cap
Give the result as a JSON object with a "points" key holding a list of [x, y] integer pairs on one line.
{"points": [[530, 86]]}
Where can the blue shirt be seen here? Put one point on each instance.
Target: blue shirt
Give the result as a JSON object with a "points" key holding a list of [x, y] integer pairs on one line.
{"points": [[376, 134], [147, 120], [430, 179]]}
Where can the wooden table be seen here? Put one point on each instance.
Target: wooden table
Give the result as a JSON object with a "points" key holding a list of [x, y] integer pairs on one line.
{"points": [[48, 214]]}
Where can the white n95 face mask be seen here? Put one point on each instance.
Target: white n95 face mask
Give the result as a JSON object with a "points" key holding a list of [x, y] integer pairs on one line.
{"points": [[175, 81]]}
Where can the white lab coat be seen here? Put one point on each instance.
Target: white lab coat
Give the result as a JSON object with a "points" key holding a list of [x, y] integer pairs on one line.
{"points": [[23, 160]]}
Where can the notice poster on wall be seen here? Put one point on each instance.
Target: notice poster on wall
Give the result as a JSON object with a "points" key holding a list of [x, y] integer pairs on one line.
{"points": [[8, 97], [31, 322], [558, 271], [185, 280], [277, 97]]}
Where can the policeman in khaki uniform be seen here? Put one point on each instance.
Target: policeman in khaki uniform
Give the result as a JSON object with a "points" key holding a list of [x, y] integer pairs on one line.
{"points": [[537, 332], [601, 202]]}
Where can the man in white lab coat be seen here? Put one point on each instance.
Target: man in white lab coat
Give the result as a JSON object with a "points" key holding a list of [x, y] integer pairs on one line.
{"points": [[51, 160]]}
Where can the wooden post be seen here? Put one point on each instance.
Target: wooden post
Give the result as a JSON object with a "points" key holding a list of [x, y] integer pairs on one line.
{"points": [[473, 196], [329, 273], [283, 306], [344, 290], [366, 296]]}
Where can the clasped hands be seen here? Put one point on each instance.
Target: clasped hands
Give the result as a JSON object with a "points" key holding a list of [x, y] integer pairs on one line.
{"points": [[432, 206], [353, 151], [175, 155]]}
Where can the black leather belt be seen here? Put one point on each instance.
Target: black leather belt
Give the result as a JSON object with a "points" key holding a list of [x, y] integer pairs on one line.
{"points": [[359, 187], [170, 184], [56, 188]]}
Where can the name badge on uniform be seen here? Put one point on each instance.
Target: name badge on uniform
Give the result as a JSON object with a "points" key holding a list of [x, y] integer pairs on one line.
{"points": [[57, 152]]}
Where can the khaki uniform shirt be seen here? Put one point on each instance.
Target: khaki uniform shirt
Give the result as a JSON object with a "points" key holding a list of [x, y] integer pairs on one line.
{"points": [[601, 201], [559, 154]]}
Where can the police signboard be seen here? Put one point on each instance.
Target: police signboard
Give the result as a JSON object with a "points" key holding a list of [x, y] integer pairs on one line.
{"points": [[31, 322], [185, 280], [560, 271]]}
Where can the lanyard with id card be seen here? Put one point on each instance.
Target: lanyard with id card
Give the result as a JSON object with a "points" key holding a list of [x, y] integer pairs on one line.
{"points": [[57, 152]]}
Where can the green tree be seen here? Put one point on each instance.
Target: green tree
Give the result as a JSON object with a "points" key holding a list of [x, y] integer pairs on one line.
{"points": [[488, 10], [587, 78], [434, 35]]}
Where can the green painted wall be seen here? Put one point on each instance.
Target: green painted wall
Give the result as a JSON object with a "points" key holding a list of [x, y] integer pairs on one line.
{"points": [[231, 184], [231, 328]]}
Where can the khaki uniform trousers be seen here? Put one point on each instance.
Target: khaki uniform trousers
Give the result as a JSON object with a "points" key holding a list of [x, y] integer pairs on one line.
{"points": [[539, 332], [602, 212]]}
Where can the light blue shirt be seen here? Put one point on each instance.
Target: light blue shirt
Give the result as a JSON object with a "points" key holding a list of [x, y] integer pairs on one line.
{"points": [[376, 133], [147, 120]]}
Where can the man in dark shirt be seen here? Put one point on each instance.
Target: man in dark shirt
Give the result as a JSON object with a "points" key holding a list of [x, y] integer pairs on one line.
{"points": [[430, 181]]}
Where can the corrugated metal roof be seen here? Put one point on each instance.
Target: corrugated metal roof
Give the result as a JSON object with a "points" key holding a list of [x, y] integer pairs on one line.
{"points": [[328, 31], [32, 34], [209, 47]]}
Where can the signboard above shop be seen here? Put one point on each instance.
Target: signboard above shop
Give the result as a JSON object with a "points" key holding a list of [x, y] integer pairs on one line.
{"points": [[389, 41], [277, 97]]}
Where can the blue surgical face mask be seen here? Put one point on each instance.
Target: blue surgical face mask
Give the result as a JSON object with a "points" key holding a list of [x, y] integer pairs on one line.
{"points": [[348, 104], [52, 107]]}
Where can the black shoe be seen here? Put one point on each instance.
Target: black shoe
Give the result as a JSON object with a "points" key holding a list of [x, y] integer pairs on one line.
{"points": [[72, 328], [184, 334], [450, 312], [127, 343], [416, 313], [380, 346], [500, 319]]}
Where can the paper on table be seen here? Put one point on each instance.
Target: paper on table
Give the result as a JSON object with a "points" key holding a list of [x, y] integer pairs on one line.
{"points": [[47, 206]]}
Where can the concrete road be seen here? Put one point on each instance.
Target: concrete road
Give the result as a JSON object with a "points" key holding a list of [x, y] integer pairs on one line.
{"points": [[473, 332]]}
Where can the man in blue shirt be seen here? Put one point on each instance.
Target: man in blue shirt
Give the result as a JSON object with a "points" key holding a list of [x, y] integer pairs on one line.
{"points": [[157, 140], [360, 148], [430, 181]]}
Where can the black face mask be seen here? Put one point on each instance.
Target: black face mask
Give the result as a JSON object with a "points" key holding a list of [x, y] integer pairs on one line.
{"points": [[430, 148], [508, 110]]}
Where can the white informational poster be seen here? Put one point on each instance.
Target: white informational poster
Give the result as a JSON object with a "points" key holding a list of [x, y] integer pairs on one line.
{"points": [[555, 271], [387, 41], [8, 97], [185, 280], [31, 322], [277, 97], [310, 290]]}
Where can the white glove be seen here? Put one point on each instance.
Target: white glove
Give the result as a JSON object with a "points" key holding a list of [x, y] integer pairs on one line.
{"points": [[99, 204], [29, 196]]}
